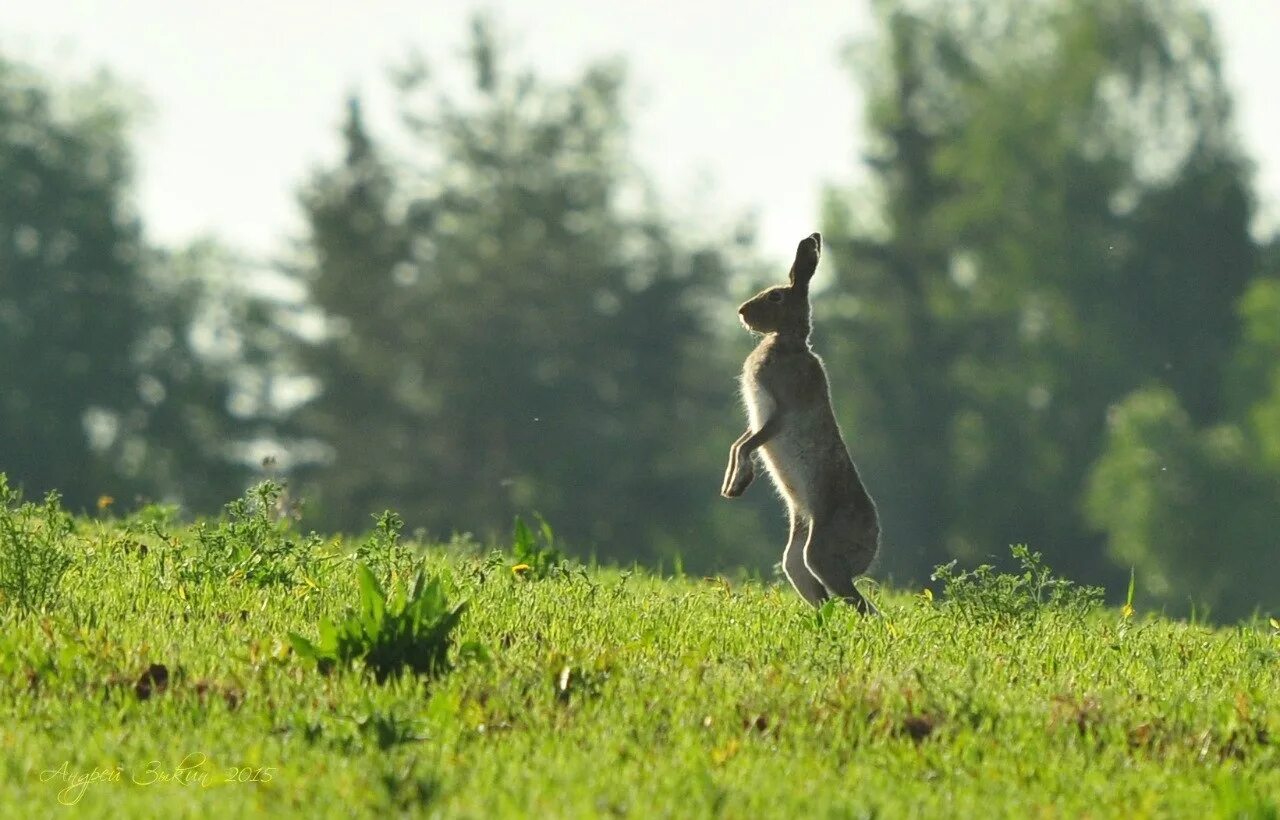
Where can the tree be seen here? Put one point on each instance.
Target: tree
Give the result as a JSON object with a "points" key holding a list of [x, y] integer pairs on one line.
{"points": [[1064, 218], [206, 363], [505, 333], [101, 390], [69, 251], [1193, 509]]}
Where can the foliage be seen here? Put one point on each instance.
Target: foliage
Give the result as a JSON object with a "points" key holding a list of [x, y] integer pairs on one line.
{"points": [[206, 362], [103, 387], [503, 331], [1046, 319], [1194, 508], [68, 275], [33, 550], [382, 550], [253, 542], [1059, 216], [536, 555], [645, 697], [983, 592], [411, 631]]}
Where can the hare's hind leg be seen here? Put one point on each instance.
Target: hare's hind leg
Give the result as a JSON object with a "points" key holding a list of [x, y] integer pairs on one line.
{"points": [[809, 587], [835, 555]]}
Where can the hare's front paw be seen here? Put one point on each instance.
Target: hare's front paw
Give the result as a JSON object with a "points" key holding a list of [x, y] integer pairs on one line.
{"points": [[736, 484]]}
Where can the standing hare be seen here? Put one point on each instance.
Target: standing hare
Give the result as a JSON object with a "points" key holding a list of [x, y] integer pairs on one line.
{"points": [[834, 528]]}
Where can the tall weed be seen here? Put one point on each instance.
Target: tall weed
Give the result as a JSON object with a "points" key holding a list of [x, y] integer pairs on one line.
{"points": [[33, 550], [983, 592], [410, 630], [253, 542]]}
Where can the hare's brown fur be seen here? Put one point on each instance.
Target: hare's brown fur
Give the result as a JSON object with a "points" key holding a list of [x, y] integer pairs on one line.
{"points": [[835, 531]]}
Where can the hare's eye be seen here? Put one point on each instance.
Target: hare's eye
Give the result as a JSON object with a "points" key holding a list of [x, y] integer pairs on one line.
{"points": [[776, 296]]}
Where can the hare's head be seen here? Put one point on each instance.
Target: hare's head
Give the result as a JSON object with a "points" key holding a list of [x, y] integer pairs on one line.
{"points": [[785, 308]]}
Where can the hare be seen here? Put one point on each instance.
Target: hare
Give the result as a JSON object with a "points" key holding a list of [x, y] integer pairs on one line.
{"points": [[835, 531]]}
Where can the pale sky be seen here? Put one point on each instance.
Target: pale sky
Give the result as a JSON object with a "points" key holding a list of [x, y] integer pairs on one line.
{"points": [[738, 105]]}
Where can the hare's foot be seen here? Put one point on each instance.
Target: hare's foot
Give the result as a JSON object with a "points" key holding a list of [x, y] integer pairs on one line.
{"points": [[858, 601], [736, 483]]}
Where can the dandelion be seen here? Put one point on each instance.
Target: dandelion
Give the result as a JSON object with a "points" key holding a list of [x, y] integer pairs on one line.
{"points": [[104, 502], [521, 569], [721, 755]]}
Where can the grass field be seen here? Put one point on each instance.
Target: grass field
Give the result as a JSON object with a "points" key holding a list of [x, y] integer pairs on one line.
{"points": [[147, 670]]}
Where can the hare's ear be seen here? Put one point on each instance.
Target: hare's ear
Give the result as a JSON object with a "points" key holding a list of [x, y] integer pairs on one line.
{"points": [[806, 263]]}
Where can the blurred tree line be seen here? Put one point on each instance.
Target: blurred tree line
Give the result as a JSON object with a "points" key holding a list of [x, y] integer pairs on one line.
{"points": [[104, 386], [511, 322], [1053, 272], [1045, 316]]}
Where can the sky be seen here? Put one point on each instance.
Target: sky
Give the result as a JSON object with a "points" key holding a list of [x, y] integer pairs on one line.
{"points": [[738, 106]]}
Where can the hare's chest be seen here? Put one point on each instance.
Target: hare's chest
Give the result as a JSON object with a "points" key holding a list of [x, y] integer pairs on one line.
{"points": [[786, 456], [760, 402]]}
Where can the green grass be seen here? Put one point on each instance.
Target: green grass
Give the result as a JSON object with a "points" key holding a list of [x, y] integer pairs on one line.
{"points": [[603, 692]]}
